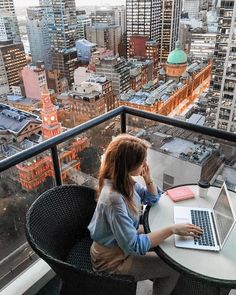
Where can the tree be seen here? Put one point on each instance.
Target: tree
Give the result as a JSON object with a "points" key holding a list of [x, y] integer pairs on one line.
{"points": [[89, 161]]}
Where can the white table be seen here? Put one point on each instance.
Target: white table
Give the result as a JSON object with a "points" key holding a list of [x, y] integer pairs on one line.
{"points": [[218, 268]]}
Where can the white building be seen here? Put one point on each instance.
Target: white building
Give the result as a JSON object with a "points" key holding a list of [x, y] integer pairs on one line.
{"points": [[9, 29], [192, 8], [203, 45]]}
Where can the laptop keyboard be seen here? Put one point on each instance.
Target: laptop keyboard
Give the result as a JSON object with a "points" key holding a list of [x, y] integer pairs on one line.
{"points": [[202, 219]]}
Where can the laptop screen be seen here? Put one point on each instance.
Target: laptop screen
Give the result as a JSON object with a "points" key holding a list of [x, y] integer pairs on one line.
{"points": [[224, 216]]}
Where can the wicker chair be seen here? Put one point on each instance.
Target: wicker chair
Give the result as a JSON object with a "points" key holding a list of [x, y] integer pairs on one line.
{"points": [[56, 229]]}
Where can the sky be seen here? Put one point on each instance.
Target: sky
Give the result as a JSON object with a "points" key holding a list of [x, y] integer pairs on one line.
{"points": [[25, 3]]}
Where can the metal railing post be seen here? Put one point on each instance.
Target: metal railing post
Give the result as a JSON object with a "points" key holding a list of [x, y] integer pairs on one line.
{"points": [[56, 165], [123, 122]]}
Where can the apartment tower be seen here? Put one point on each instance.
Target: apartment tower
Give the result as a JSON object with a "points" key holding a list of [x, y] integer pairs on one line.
{"points": [[143, 18], [170, 17], [224, 75], [7, 5], [63, 35], [38, 34]]}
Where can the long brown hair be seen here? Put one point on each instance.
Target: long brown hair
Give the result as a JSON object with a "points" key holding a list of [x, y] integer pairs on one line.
{"points": [[124, 154]]}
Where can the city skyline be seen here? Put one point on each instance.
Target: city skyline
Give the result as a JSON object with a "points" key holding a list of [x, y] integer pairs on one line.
{"points": [[20, 3]]}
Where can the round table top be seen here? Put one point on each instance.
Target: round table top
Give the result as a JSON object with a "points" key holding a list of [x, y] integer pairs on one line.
{"points": [[217, 267]]}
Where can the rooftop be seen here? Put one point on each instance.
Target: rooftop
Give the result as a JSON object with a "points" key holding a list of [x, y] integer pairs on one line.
{"points": [[14, 120]]}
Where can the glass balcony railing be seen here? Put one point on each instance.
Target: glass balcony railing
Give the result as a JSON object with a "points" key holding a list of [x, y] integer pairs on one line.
{"points": [[180, 153]]}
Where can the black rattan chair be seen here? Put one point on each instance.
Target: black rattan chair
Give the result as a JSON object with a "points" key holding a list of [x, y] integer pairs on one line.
{"points": [[56, 229]]}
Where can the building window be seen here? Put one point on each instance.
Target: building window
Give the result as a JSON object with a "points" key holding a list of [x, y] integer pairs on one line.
{"points": [[168, 181]]}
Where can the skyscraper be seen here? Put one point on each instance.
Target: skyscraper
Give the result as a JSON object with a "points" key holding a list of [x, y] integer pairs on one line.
{"points": [[143, 18], [9, 29], [61, 15], [8, 5], [224, 75], [170, 17], [12, 60], [38, 35]]}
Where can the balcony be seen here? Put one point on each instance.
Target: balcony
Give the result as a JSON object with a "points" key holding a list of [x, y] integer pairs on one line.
{"points": [[74, 157]]}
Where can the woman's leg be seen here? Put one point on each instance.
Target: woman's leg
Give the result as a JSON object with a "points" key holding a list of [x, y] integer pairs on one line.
{"points": [[151, 267]]}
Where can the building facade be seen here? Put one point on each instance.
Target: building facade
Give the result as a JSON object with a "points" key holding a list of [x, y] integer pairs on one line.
{"points": [[115, 68], [108, 36], [224, 79], [82, 22], [34, 79], [9, 29], [8, 5], [62, 22], [203, 45], [12, 61], [192, 8], [38, 35], [170, 18], [143, 18]]}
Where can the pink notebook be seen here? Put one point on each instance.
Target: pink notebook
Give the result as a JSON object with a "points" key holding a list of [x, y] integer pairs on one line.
{"points": [[180, 193]]}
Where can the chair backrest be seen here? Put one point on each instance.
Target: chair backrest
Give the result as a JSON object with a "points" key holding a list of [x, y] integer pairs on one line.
{"points": [[57, 218], [56, 223]]}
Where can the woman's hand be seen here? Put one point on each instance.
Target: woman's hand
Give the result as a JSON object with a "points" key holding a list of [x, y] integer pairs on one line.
{"points": [[186, 229], [146, 173]]}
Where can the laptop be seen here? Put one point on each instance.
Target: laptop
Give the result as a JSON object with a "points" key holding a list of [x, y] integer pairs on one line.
{"points": [[216, 223]]}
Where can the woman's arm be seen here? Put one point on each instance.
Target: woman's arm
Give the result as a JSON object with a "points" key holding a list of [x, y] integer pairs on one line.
{"points": [[182, 229]]}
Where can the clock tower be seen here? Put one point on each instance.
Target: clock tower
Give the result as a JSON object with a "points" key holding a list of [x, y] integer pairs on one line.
{"points": [[50, 124]]}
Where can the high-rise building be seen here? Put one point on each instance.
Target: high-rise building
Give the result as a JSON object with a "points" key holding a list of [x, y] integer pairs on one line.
{"points": [[34, 79], [83, 20], [120, 17], [8, 5], [192, 8], [224, 74], [115, 68], [170, 17], [143, 18], [105, 36], [38, 35], [9, 29], [102, 16], [12, 61], [63, 34]]}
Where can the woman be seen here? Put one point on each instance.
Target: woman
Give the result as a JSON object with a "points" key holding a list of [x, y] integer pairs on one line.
{"points": [[120, 245]]}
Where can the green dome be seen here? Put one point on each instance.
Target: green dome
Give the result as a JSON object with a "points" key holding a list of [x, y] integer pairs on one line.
{"points": [[177, 56]]}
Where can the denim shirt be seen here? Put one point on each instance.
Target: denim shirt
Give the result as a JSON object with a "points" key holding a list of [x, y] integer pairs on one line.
{"points": [[113, 224]]}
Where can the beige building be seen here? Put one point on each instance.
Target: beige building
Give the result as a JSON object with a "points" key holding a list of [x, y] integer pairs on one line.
{"points": [[105, 36]]}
